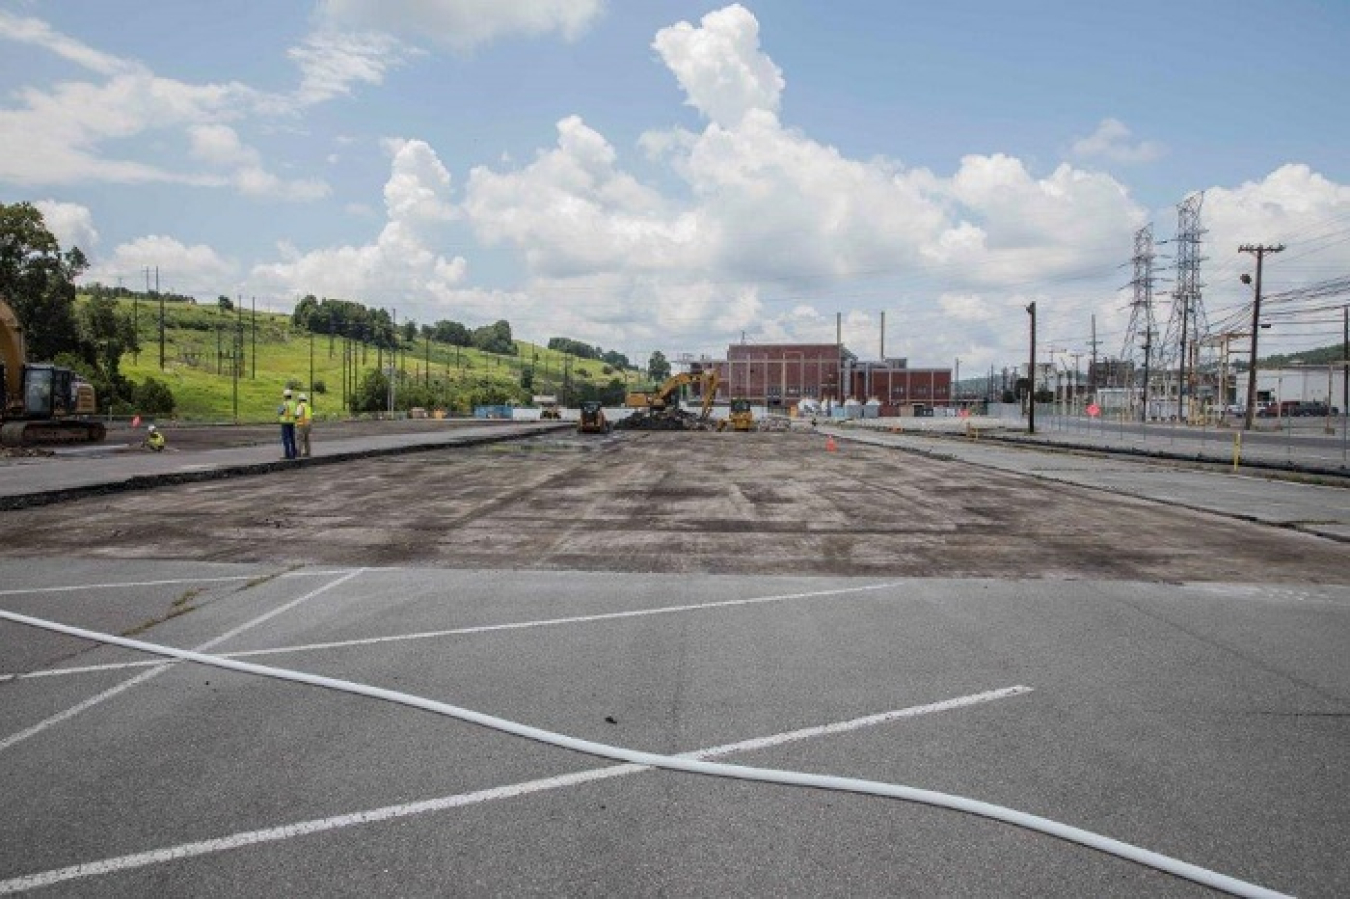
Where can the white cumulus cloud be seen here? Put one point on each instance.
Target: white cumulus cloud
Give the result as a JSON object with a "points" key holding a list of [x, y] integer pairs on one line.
{"points": [[720, 66], [195, 270], [463, 24], [219, 146], [1113, 141], [770, 214], [401, 260], [70, 223]]}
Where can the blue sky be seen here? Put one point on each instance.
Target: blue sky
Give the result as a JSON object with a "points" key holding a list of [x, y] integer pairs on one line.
{"points": [[651, 175]]}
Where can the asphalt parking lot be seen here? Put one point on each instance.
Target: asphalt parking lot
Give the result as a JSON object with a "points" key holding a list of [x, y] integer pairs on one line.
{"points": [[1155, 673]]}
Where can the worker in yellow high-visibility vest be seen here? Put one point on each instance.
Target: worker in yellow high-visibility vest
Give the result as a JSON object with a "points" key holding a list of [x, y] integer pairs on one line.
{"points": [[286, 415], [304, 419]]}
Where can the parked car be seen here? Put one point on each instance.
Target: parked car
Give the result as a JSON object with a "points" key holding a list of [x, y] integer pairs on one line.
{"points": [[1315, 410]]}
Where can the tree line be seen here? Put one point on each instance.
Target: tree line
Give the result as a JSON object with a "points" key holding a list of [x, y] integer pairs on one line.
{"points": [[376, 327], [586, 351]]}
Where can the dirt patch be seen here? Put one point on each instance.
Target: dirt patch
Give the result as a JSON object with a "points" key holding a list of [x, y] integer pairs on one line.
{"points": [[676, 502]]}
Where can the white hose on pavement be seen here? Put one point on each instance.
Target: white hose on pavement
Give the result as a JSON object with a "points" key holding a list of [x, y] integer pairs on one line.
{"points": [[1067, 832]]}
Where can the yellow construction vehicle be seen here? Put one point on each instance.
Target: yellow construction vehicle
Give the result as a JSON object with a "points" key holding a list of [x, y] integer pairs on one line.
{"points": [[740, 417], [592, 420], [43, 404], [667, 394], [660, 409]]}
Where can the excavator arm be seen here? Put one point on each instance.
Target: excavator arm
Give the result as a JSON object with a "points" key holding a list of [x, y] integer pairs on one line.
{"points": [[665, 394], [710, 381], [13, 356]]}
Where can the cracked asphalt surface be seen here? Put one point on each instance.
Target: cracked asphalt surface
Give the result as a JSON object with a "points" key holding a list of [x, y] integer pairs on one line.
{"points": [[667, 502]]}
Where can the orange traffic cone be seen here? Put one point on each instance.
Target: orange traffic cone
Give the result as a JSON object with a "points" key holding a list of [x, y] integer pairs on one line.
{"points": [[830, 445]]}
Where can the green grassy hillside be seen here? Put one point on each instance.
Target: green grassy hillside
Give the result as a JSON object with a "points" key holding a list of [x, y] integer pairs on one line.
{"points": [[199, 341]]}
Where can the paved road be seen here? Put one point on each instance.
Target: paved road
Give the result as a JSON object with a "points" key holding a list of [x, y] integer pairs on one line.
{"points": [[1204, 719], [1244, 495], [118, 465], [1303, 448]]}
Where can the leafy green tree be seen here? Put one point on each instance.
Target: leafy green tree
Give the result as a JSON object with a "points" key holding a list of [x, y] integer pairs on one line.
{"points": [[225, 304], [153, 397], [658, 369], [108, 332], [372, 394], [495, 338], [452, 333], [37, 279]]}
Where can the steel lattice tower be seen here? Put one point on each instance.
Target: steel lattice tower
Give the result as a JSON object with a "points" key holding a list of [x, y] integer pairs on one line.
{"points": [[1143, 328], [1188, 322]]}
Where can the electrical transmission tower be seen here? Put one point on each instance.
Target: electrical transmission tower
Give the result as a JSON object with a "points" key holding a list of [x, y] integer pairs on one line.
{"points": [[1188, 323], [1143, 326]]}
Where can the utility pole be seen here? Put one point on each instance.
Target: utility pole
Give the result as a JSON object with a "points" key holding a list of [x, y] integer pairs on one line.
{"points": [[1092, 366], [1031, 374], [236, 348], [136, 315], [393, 369], [1259, 251], [1073, 380], [253, 325], [238, 332], [161, 320]]}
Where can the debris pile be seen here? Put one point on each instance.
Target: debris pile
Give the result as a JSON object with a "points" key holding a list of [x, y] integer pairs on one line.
{"points": [[665, 420]]}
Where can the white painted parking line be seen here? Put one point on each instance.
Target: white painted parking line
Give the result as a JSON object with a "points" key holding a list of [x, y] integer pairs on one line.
{"points": [[478, 629], [67, 714], [405, 810], [119, 585]]}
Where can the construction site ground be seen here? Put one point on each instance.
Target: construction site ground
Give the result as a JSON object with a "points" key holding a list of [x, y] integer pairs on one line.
{"points": [[1151, 653], [662, 502]]}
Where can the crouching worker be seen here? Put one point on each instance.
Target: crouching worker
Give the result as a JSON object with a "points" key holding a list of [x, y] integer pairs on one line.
{"points": [[154, 439]]}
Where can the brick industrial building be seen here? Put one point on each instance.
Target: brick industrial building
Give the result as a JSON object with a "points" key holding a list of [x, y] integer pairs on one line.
{"points": [[778, 376]]}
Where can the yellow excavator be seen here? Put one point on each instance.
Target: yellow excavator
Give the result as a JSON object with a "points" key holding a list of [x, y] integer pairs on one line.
{"points": [[660, 409], [667, 395], [43, 404]]}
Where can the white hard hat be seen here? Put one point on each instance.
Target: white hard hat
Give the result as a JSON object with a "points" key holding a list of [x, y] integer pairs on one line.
{"points": [[286, 392], [152, 429], [304, 397]]}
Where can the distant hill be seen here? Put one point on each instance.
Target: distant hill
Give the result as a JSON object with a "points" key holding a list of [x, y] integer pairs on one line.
{"points": [[1321, 356], [205, 347]]}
